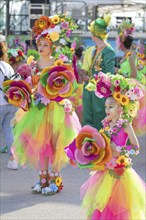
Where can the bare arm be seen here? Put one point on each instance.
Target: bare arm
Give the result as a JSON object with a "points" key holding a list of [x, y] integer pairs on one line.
{"points": [[133, 67], [131, 134]]}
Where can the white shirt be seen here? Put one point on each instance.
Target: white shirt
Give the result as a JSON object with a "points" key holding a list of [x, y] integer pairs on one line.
{"points": [[8, 71]]}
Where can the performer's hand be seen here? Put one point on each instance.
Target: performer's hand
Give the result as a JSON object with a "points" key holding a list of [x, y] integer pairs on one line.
{"points": [[114, 152]]}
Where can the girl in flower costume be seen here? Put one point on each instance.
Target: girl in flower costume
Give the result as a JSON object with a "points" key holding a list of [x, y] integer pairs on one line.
{"points": [[50, 122], [114, 191]]}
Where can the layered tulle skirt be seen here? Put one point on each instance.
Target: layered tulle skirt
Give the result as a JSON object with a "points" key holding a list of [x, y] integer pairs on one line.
{"points": [[44, 132], [108, 198]]}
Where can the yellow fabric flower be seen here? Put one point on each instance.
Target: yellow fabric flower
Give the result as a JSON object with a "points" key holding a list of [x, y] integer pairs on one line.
{"points": [[55, 19], [124, 100], [54, 36], [107, 128], [72, 50], [142, 56], [58, 181], [117, 96], [122, 160], [58, 63], [141, 62], [30, 59], [62, 20]]}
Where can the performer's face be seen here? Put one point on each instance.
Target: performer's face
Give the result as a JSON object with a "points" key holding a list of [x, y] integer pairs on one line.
{"points": [[112, 108], [44, 47]]}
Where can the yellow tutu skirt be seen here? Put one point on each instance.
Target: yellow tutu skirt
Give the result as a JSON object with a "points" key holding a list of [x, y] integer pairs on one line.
{"points": [[108, 198], [44, 132]]}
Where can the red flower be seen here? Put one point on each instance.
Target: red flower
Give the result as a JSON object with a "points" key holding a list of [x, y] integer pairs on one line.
{"points": [[119, 170], [117, 89], [60, 187], [20, 53]]}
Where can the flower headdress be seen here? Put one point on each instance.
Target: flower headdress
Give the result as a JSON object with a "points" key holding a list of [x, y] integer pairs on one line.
{"points": [[15, 56], [123, 90], [124, 29], [99, 27], [56, 30]]}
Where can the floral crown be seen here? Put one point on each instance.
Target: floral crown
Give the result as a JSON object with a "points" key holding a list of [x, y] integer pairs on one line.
{"points": [[15, 56], [99, 27], [125, 91], [124, 29], [56, 29]]}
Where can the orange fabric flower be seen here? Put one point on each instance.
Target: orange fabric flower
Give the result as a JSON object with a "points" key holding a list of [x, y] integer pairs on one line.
{"points": [[41, 24]]}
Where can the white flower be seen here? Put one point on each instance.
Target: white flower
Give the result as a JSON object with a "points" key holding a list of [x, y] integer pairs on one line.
{"points": [[14, 53], [55, 29], [62, 41], [119, 148], [45, 101], [37, 188], [133, 97]]}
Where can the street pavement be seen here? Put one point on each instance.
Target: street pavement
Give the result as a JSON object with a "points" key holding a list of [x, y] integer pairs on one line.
{"points": [[18, 203]]}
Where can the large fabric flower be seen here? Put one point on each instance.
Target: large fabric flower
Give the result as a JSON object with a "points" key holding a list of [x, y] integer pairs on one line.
{"points": [[18, 93], [57, 82], [102, 90], [41, 24], [90, 149], [24, 70]]}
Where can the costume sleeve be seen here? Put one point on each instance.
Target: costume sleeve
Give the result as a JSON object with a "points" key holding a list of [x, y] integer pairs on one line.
{"points": [[87, 59], [109, 59]]}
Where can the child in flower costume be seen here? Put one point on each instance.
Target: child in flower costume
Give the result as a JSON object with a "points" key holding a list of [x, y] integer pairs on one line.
{"points": [[114, 190], [50, 122]]}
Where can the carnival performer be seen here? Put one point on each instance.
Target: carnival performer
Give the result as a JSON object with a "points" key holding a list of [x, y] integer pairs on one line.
{"points": [[131, 66], [124, 43], [7, 111], [114, 190], [97, 58], [50, 122]]}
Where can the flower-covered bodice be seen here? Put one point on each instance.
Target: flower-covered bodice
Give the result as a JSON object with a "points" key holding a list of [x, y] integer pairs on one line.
{"points": [[120, 138]]}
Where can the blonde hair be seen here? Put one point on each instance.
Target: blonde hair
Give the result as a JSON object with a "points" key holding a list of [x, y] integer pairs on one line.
{"points": [[3, 52]]}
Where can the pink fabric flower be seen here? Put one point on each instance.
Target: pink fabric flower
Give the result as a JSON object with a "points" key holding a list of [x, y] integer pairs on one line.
{"points": [[65, 25], [63, 58], [103, 89], [111, 164]]}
